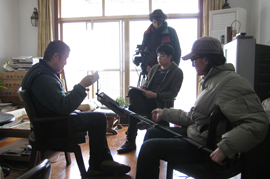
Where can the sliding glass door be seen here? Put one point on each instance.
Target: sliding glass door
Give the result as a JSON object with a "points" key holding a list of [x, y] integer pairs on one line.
{"points": [[94, 47]]}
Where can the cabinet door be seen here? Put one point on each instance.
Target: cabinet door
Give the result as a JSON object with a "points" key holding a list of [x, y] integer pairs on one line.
{"points": [[220, 22]]}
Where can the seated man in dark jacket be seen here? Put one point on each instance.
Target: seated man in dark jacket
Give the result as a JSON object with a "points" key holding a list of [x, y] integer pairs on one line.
{"points": [[163, 81], [48, 96]]}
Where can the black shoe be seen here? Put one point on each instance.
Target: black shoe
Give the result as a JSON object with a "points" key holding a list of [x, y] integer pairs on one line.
{"points": [[143, 125], [127, 147], [113, 167], [92, 173]]}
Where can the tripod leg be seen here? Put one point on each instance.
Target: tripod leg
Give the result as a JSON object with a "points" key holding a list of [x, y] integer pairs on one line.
{"points": [[139, 81]]}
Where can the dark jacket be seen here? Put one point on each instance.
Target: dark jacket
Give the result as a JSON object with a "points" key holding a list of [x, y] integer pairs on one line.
{"points": [[47, 93], [152, 39], [170, 85]]}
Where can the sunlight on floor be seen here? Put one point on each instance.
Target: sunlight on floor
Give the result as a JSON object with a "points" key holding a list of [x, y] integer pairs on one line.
{"points": [[179, 175]]}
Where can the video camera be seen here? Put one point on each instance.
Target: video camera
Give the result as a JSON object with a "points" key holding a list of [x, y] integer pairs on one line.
{"points": [[141, 57]]}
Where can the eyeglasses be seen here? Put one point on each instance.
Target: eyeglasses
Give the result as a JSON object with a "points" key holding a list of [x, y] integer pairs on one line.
{"points": [[194, 59]]}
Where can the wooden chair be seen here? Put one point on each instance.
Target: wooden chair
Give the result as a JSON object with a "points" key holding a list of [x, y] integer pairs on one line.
{"points": [[40, 171], [40, 142], [209, 169]]}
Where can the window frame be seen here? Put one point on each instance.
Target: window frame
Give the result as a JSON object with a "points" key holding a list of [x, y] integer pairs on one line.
{"points": [[124, 20]]}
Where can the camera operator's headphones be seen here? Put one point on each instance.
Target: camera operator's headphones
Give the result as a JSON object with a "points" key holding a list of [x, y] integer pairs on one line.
{"points": [[157, 14]]}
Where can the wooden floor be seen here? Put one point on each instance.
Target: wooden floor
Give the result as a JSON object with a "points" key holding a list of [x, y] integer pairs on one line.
{"points": [[61, 171]]}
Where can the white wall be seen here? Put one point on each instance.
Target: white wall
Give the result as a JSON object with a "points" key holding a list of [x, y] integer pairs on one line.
{"points": [[244, 4], [17, 36], [258, 16], [264, 22], [28, 33], [10, 41]]}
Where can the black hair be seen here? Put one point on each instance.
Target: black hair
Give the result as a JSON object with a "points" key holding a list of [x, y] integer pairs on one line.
{"points": [[158, 15], [159, 19], [56, 46], [214, 60], [165, 48]]}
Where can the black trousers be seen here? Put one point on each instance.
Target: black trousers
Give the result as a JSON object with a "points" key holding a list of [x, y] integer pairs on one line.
{"points": [[161, 145], [141, 105], [95, 123]]}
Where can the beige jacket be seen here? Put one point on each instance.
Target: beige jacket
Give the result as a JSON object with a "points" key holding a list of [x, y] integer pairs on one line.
{"points": [[238, 102]]}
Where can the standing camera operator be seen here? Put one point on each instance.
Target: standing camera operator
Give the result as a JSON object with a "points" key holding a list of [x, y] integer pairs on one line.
{"points": [[159, 33]]}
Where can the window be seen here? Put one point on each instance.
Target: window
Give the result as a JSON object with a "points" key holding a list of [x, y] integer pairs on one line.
{"points": [[106, 41], [126, 7], [81, 8], [176, 6], [91, 50]]}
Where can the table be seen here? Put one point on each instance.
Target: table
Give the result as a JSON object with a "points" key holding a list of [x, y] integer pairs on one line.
{"points": [[19, 128]]}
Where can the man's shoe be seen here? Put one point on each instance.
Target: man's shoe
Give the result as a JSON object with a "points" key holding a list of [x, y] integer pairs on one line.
{"points": [[113, 167], [127, 147], [143, 125]]}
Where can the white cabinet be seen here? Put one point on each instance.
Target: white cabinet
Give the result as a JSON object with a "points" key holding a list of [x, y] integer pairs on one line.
{"points": [[221, 19]]}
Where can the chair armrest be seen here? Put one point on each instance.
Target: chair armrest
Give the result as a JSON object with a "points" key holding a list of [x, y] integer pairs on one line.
{"points": [[57, 118]]}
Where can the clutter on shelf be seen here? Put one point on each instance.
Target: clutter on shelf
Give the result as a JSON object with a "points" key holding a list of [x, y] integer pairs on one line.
{"points": [[20, 64]]}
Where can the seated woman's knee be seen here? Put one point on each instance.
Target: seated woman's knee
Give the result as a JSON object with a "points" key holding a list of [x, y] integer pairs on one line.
{"points": [[151, 133]]}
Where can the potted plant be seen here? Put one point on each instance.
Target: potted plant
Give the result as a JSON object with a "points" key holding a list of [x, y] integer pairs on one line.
{"points": [[121, 101]]}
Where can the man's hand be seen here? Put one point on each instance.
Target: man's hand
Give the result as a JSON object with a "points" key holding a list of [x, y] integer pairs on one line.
{"points": [[150, 94], [218, 156], [87, 81], [156, 115]]}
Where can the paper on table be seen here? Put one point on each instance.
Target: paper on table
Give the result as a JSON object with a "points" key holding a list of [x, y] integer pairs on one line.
{"points": [[95, 77], [134, 87]]}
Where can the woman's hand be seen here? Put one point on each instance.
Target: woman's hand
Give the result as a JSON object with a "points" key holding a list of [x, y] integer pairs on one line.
{"points": [[156, 115], [218, 156]]}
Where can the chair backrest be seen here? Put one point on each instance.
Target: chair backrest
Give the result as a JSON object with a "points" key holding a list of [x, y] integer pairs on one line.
{"points": [[40, 171], [232, 166], [28, 105], [215, 118]]}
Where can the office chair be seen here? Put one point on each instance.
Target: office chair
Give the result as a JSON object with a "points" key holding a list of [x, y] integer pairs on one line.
{"points": [[68, 142], [40, 171], [209, 169]]}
